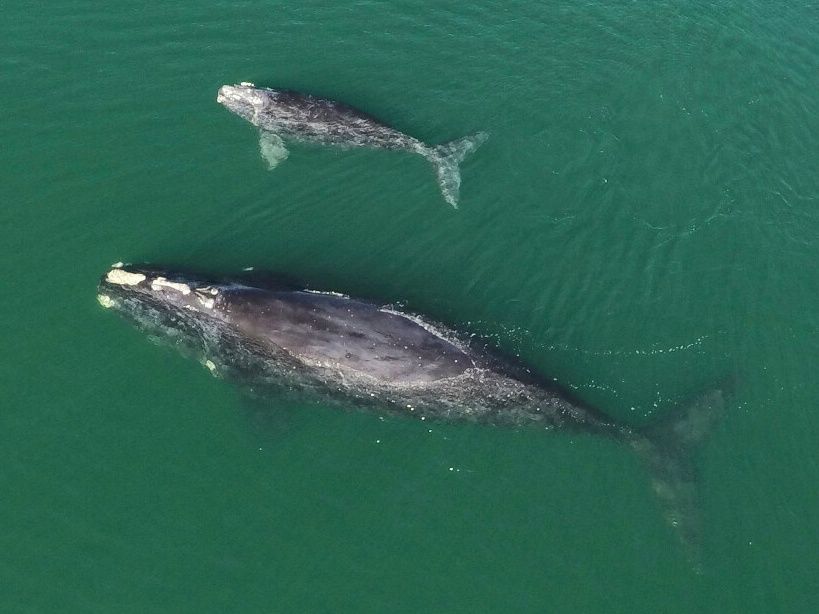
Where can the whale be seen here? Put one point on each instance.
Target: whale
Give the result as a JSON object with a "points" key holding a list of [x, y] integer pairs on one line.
{"points": [[275, 338], [284, 115]]}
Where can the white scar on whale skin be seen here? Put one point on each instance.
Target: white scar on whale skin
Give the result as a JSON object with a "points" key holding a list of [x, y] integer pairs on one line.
{"points": [[326, 293], [161, 282], [124, 278]]}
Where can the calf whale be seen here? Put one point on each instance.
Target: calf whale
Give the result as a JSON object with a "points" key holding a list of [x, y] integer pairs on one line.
{"points": [[284, 114], [269, 336]]}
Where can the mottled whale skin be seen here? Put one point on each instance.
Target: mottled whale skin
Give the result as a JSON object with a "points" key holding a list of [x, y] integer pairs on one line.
{"points": [[268, 336], [333, 343], [289, 115]]}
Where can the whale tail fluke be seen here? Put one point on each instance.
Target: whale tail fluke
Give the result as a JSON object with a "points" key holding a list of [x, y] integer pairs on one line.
{"points": [[446, 159], [668, 449]]}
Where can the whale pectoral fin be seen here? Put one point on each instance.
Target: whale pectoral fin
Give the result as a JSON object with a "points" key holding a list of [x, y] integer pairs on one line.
{"points": [[272, 149]]}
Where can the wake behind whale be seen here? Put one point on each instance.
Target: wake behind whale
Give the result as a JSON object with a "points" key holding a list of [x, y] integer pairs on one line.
{"points": [[286, 115], [268, 336]]}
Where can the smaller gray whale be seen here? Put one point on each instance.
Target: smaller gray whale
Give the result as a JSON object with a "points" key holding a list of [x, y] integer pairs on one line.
{"points": [[283, 114], [277, 339]]}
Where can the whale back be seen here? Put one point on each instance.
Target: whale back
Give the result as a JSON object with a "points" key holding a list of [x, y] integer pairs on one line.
{"points": [[320, 120], [349, 336]]}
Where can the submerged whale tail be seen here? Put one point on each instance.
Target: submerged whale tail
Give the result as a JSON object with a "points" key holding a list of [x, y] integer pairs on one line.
{"points": [[446, 158], [668, 447]]}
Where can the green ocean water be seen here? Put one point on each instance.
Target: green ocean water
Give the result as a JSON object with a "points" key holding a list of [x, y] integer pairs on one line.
{"points": [[643, 222]]}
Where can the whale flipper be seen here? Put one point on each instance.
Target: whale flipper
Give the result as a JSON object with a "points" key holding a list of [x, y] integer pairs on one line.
{"points": [[668, 448], [272, 149], [446, 159]]}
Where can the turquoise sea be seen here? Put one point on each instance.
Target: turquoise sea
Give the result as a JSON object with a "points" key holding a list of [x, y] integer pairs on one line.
{"points": [[642, 222]]}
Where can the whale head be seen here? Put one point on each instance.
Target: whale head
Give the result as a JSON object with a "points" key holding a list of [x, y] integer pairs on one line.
{"points": [[156, 285], [243, 99], [170, 306]]}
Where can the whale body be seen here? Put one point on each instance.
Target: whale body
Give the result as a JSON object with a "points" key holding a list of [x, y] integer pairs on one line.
{"points": [[274, 337], [287, 115]]}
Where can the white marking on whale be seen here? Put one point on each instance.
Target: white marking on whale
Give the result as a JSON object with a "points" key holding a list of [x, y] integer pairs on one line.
{"points": [[105, 300], [161, 282], [124, 278]]}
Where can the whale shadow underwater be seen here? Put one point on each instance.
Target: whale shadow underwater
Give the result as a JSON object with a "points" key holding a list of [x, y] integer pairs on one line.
{"points": [[273, 337], [287, 115]]}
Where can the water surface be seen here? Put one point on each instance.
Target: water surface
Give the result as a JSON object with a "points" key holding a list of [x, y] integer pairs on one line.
{"points": [[642, 222]]}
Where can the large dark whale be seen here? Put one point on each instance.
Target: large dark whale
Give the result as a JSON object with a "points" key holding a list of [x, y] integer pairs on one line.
{"points": [[283, 114], [269, 336]]}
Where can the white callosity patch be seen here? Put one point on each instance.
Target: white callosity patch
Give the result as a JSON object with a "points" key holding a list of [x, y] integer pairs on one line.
{"points": [[161, 282], [205, 296], [206, 301], [105, 300], [124, 278], [210, 366]]}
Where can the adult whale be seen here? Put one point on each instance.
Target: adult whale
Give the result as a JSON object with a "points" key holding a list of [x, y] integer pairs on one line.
{"points": [[267, 335], [284, 114]]}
